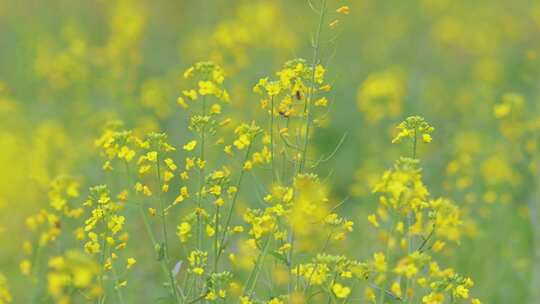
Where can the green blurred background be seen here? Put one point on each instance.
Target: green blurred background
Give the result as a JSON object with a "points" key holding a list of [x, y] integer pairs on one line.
{"points": [[470, 67]]}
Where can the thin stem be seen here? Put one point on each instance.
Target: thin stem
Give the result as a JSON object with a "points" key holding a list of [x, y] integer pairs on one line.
{"points": [[414, 144], [150, 233], [409, 248], [330, 294], [233, 203], [307, 114], [272, 138], [144, 216], [162, 209], [201, 164], [201, 175], [323, 249], [409, 217], [382, 293], [255, 271], [307, 105], [216, 239], [117, 287], [290, 261], [165, 262], [426, 240], [102, 259]]}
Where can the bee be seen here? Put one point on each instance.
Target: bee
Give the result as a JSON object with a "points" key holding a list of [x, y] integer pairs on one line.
{"points": [[298, 95]]}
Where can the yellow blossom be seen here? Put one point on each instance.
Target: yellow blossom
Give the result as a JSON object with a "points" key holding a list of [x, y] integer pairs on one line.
{"points": [[343, 10], [341, 291], [130, 262], [190, 145]]}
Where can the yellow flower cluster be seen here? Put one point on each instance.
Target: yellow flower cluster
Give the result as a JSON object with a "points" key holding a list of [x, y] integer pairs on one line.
{"points": [[104, 224], [5, 294], [72, 271], [295, 82], [413, 127], [47, 224], [104, 234], [332, 272], [116, 144], [276, 244], [414, 227]]}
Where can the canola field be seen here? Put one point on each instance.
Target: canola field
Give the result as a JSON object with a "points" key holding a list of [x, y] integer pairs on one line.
{"points": [[270, 151]]}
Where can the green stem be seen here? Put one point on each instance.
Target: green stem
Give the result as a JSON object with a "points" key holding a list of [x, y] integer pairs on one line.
{"points": [[165, 260], [144, 216], [233, 203], [414, 144], [330, 293], [102, 260], [216, 239], [323, 249], [201, 182], [162, 209], [272, 139], [290, 262], [307, 104], [150, 233], [409, 217], [201, 175], [307, 114], [117, 288], [382, 293], [255, 271]]}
